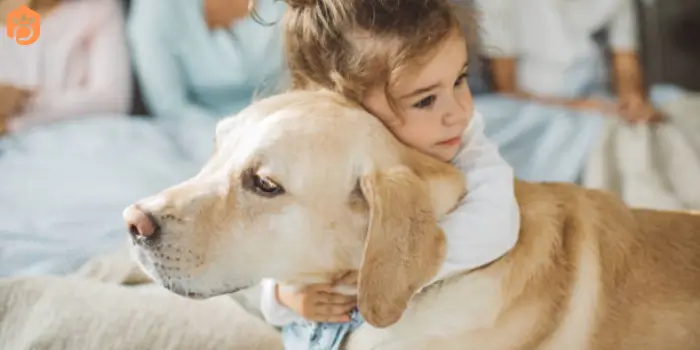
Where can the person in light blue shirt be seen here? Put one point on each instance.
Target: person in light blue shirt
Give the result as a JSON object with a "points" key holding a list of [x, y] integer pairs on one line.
{"points": [[200, 60]]}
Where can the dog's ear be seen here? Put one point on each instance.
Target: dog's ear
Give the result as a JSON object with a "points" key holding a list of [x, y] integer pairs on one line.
{"points": [[404, 247], [446, 184]]}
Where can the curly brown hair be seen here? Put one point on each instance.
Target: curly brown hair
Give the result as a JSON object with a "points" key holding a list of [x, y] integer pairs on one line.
{"points": [[350, 46]]}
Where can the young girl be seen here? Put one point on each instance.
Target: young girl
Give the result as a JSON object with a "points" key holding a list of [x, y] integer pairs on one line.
{"points": [[405, 62]]}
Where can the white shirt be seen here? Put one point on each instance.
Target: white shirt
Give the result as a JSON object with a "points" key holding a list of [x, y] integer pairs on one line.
{"points": [[480, 230], [553, 39], [79, 66]]}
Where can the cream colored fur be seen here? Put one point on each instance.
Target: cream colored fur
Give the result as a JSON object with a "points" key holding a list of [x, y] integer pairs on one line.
{"points": [[587, 272]]}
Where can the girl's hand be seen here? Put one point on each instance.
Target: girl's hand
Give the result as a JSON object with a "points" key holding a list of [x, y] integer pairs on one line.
{"points": [[320, 303]]}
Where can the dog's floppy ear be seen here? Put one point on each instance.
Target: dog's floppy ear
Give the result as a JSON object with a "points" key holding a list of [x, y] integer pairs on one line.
{"points": [[404, 247], [446, 184]]}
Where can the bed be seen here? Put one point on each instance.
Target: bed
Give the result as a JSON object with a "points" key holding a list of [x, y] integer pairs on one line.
{"points": [[63, 187]]}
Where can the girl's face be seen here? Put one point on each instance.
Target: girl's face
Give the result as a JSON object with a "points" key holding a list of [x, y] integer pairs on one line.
{"points": [[433, 103], [222, 13]]}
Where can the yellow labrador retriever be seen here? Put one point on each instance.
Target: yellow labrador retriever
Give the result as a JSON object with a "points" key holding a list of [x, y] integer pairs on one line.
{"points": [[304, 187]]}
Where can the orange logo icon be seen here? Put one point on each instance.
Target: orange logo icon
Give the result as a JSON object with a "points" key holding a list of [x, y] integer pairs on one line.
{"points": [[23, 25]]}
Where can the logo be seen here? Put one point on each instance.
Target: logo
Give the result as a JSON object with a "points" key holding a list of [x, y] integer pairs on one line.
{"points": [[23, 25]]}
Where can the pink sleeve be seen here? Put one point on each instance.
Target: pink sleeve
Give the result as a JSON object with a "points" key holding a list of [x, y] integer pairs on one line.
{"points": [[108, 89]]}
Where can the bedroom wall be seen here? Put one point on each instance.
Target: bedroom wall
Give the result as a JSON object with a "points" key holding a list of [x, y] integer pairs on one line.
{"points": [[670, 38]]}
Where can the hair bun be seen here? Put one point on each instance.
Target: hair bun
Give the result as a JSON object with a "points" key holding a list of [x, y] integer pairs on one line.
{"points": [[301, 4]]}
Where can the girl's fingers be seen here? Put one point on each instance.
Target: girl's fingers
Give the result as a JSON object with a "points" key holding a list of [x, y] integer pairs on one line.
{"points": [[331, 310], [350, 279], [322, 317], [349, 306], [333, 319], [338, 299], [323, 288]]}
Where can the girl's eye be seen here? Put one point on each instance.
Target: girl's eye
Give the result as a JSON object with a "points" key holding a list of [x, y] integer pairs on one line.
{"points": [[426, 102], [461, 79]]}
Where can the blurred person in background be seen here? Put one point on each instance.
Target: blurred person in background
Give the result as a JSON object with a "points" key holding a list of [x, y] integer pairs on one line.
{"points": [[72, 157], [546, 51], [79, 66], [200, 60], [552, 74]]}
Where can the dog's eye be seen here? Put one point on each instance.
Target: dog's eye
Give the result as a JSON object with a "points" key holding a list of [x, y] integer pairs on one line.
{"points": [[265, 186]]}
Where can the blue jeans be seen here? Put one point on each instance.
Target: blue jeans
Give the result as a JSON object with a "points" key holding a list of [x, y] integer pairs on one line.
{"points": [[303, 335]]}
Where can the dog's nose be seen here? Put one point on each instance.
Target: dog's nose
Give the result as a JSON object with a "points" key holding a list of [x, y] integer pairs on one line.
{"points": [[140, 223]]}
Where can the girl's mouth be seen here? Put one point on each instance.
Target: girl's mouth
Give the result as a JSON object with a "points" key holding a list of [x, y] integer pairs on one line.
{"points": [[451, 142]]}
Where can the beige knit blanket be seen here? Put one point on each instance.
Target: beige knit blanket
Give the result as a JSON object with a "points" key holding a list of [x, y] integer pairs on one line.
{"points": [[652, 166], [95, 310]]}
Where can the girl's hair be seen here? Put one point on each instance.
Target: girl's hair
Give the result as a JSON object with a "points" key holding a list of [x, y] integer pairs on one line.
{"points": [[349, 46]]}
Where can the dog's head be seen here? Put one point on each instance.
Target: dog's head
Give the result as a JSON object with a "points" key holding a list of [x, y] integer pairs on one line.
{"points": [[301, 186]]}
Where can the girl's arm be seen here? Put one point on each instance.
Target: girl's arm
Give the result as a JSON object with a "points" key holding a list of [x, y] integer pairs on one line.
{"points": [[108, 85], [274, 313], [161, 78], [486, 224]]}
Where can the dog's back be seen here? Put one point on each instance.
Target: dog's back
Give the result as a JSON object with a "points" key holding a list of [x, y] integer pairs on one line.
{"points": [[587, 273], [653, 301], [638, 271]]}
